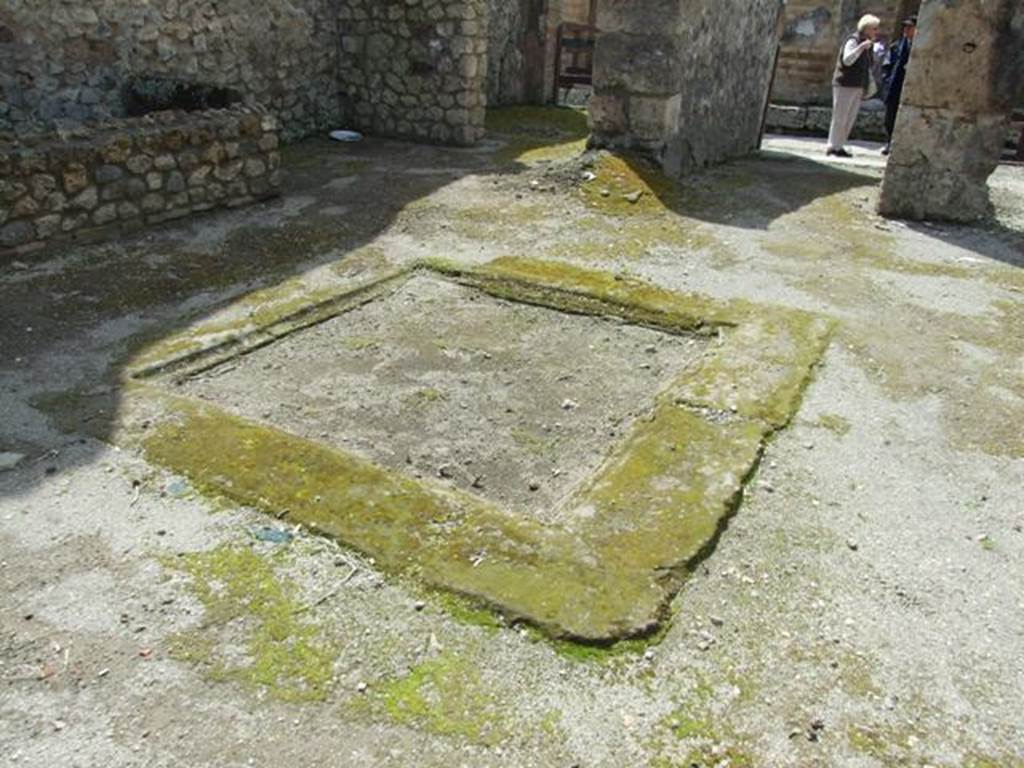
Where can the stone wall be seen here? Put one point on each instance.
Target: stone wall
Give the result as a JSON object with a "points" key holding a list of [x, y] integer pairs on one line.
{"points": [[965, 78], [68, 60], [415, 68], [684, 82], [126, 174], [509, 25], [815, 121]]}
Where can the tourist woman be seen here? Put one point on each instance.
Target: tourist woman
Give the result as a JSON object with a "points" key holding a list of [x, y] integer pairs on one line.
{"points": [[852, 83]]}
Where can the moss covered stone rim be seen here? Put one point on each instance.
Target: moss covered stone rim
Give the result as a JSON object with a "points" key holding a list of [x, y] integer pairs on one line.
{"points": [[655, 508]]}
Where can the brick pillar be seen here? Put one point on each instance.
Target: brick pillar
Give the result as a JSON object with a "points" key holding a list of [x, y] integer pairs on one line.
{"points": [[964, 77]]}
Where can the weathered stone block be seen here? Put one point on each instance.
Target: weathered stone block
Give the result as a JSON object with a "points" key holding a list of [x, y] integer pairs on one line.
{"points": [[139, 164], [940, 164], [47, 226], [105, 214], [682, 81], [16, 233], [152, 202], [108, 173], [76, 178], [647, 64], [87, 199]]}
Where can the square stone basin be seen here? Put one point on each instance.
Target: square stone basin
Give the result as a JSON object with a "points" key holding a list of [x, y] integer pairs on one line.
{"points": [[513, 402], [558, 444]]}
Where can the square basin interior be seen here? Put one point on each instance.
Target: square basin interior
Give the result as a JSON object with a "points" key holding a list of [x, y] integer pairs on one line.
{"points": [[515, 403]]}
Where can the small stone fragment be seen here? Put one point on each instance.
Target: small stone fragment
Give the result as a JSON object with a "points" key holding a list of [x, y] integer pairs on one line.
{"points": [[9, 460]]}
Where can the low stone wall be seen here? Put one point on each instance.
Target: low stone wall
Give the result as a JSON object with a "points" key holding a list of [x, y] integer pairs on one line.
{"points": [[68, 60], [121, 175], [815, 121], [415, 70]]}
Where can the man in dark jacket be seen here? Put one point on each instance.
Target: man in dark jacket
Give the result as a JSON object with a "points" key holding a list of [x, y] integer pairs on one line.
{"points": [[895, 74]]}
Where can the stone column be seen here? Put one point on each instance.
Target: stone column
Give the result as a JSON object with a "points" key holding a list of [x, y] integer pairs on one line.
{"points": [[637, 75], [964, 77], [683, 81]]}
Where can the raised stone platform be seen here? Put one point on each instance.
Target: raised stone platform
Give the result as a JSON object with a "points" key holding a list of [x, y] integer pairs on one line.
{"points": [[509, 401]]}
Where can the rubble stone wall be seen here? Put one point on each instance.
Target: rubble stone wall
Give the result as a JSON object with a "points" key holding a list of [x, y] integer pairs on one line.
{"points": [[684, 82], [68, 60], [816, 121], [415, 70], [131, 173]]}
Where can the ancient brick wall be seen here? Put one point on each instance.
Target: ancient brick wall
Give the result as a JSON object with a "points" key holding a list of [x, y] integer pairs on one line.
{"points": [[415, 69], [69, 59], [127, 174], [686, 83]]}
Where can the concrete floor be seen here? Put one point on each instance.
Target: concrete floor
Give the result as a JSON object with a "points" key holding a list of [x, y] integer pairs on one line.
{"points": [[863, 608]]}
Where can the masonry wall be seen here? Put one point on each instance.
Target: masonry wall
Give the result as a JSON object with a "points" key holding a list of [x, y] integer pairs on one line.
{"points": [[415, 70], [511, 26], [123, 175], [69, 59], [685, 82]]}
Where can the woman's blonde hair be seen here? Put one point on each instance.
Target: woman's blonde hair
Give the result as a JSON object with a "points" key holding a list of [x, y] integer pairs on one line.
{"points": [[868, 21]]}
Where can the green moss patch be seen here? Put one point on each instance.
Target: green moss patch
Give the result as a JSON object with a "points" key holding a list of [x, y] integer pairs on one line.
{"points": [[538, 134], [601, 238], [625, 184], [696, 734], [262, 318], [444, 696], [834, 423], [284, 653], [917, 351]]}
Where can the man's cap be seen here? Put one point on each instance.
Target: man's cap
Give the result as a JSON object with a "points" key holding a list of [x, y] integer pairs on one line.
{"points": [[910, 21]]}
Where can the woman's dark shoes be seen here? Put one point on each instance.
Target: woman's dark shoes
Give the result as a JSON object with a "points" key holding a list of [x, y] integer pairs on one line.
{"points": [[837, 153]]}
